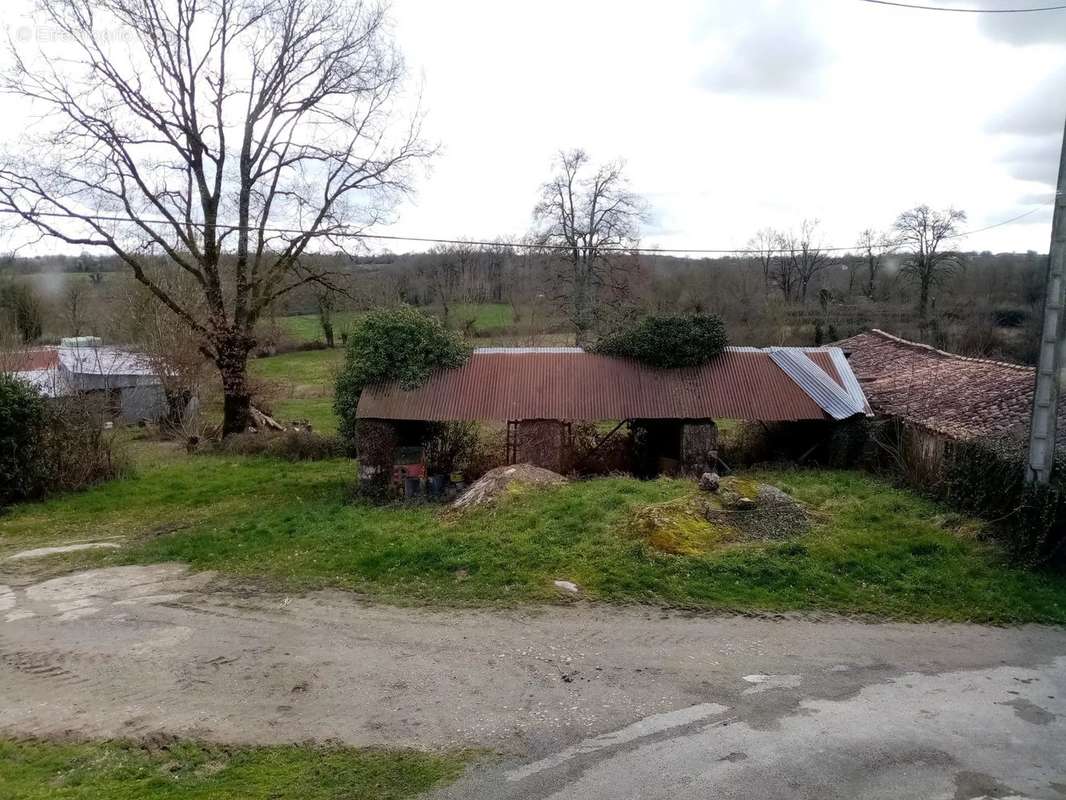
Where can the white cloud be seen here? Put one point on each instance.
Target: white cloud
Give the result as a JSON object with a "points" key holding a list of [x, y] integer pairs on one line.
{"points": [[766, 47], [752, 113]]}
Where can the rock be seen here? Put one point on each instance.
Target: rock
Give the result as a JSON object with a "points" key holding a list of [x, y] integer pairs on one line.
{"points": [[567, 586], [495, 482], [744, 504], [710, 481], [70, 548]]}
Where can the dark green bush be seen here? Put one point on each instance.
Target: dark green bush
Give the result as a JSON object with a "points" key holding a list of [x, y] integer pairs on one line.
{"points": [[401, 345], [23, 416], [1009, 317], [667, 340], [53, 445], [987, 479]]}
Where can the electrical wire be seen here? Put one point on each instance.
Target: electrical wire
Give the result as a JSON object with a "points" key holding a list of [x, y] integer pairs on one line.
{"points": [[918, 7], [478, 242]]}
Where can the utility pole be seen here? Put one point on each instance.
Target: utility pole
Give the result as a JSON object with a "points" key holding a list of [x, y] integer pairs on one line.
{"points": [[1049, 371]]}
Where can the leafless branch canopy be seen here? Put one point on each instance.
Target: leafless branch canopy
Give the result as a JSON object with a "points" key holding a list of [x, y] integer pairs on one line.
{"points": [[272, 114], [923, 232], [593, 214]]}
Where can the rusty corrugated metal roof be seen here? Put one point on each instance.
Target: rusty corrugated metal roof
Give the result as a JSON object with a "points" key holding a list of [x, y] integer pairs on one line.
{"points": [[30, 360], [526, 383]]}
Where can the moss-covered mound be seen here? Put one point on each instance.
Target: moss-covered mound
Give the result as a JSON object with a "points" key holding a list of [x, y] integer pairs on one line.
{"points": [[740, 511]]}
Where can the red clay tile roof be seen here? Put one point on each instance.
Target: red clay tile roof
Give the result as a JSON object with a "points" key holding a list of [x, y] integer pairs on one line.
{"points": [[30, 360], [959, 397]]}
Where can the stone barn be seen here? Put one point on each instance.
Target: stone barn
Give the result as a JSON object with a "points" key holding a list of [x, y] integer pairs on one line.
{"points": [[938, 398], [539, 393]]}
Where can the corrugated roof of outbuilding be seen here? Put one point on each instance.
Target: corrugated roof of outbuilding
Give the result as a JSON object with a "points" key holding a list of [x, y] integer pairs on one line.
{"points": [[553, 383]]}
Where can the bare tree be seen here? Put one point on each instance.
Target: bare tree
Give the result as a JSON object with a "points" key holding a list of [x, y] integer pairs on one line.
{"points": [[162, 338], [874, 245], [923, 231], [444, 270], [326, 302], [590, 218], [22, 309], [165, 118], [804, 259], [783, 269], [764, 249], [74, 302]]}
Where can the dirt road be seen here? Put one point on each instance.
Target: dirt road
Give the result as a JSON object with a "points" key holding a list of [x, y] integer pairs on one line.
{"points": [[574, 698]]}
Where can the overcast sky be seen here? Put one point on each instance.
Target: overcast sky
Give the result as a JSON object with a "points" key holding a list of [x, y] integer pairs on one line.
{"points": [[736, 114]]}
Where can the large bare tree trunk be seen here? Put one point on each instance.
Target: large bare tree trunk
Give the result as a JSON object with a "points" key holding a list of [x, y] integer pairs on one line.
{"points": [[232, 363], [923, 296]]}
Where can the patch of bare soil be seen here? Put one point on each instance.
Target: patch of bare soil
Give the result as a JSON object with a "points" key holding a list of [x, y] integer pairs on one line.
{"points": [[496, 481]]}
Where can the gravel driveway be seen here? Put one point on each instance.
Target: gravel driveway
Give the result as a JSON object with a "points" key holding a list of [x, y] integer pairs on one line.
{"points": [[579, 701]]}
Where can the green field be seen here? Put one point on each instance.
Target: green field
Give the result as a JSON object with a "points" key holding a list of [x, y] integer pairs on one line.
{"points": [[486, 318], [874, 548], [38, 770], [299, 385], [307, 368], [307, 328]]}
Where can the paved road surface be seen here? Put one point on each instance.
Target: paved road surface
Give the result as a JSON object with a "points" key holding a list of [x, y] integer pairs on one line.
{"points": [[579, 702]]}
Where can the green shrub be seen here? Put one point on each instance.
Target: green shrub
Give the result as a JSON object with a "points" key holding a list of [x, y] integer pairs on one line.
{"points": [[987, 478], [23, 416], [401, 345], [21, 306], [452, 447], [78, 451], [1009, 317], [667, 340], [290, 445]]}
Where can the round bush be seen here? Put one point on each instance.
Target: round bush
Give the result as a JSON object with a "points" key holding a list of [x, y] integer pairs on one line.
{"points": [[668, 341], [401, 345], [23, 417]]}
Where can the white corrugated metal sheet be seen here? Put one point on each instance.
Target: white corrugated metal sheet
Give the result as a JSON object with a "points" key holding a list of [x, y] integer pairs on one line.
{"points": [[110, 361], [838, 400]]}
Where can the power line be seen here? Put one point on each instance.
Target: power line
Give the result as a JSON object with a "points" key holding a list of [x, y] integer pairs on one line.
{"points": [[918, 7], [28, 215]]}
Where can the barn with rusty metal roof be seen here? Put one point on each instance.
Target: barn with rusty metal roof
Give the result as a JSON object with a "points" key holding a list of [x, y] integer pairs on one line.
{"points": [[539, 392], [566, 383]]}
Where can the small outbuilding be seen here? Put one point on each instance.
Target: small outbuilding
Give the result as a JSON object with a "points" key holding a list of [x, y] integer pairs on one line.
{"points": [[939, 397], [126, 382], [540, 392]]}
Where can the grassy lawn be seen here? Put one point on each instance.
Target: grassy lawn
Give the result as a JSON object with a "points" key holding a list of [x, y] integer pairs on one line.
{"points": [[874, 548], [35, 770], [316, 410], [300, 385], [306, 327], [488, 318], [309, 368]]}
